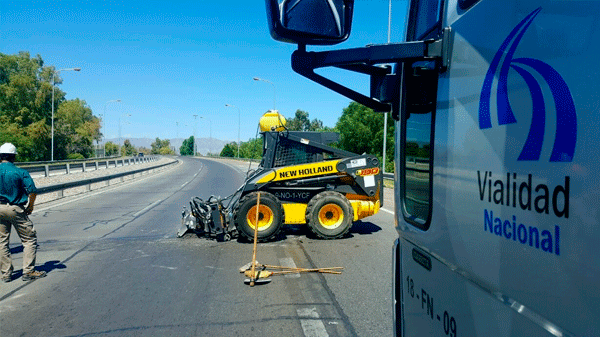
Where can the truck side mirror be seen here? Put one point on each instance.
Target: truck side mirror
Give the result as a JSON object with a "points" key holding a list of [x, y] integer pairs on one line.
{"points": [[310, 22]]}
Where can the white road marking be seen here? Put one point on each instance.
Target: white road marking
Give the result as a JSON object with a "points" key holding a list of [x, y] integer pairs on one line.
{"points": [[289, 262], [312, 326], [137, 257], [195, 175], [147, 208], [165, 267], [387, 211]]}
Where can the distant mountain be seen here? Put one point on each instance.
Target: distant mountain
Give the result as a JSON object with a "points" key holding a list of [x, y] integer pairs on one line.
{"points": [[204, 145]]}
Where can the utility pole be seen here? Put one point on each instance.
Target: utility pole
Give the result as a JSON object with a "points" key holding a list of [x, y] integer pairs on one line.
{"points": [[195, 126]]}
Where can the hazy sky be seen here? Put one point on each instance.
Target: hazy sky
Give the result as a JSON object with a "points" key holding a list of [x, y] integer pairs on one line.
{"points": [[169, 60]]}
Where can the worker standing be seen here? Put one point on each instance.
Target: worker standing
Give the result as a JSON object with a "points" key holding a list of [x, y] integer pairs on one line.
{"points": [[17, 196]]}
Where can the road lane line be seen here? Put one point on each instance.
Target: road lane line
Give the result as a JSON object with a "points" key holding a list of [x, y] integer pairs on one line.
{"points": [[195, 175], [289, 262], [147, 208], [164, 267], [312, 326], [387, 211]]}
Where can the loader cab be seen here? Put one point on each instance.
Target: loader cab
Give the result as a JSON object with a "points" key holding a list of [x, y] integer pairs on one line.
{"points": [[282, 147], [297, 147]]}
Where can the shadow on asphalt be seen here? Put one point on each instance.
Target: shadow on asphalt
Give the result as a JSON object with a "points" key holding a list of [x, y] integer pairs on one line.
{"points": [[50, 266], [358, 228], [364, 228]]}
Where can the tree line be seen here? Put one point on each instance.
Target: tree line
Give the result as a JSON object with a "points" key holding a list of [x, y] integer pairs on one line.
{"points": [[26, 112], [26, 115]]}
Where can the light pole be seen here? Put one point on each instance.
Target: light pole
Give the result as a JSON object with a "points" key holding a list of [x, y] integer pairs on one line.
{"points": [[209, 132], [385, 115], [274, 94], [238, 109], [195, 126], [53, 75], [120, 140], [104, 117]]}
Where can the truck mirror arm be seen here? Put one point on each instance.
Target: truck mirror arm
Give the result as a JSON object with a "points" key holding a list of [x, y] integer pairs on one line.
{"points": [[365, 60]]}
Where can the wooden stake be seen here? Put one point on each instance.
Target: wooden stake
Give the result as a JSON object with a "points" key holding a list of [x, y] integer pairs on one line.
{"points": [[253, 278]]}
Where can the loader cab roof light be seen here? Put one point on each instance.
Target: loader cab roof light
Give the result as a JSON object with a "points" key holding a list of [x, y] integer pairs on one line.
{"points": [[272, 120]]}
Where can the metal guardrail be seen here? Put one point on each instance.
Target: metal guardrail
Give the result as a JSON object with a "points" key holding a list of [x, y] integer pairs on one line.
{"points": [[38, 163], [88, 182], [46, 170]]}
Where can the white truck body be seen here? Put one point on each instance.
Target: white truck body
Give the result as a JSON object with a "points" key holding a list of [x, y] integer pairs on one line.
{"points": [[509, 243], [497, 192]]}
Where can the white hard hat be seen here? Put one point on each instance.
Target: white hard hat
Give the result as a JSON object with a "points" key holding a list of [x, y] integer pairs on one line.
{"points": [[8, 148]]}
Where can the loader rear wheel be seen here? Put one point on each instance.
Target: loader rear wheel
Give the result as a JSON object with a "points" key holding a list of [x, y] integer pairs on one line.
{"points": [[329, 215], [270, 216]]}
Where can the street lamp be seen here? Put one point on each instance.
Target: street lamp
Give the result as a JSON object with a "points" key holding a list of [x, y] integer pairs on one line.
{"points": [[238, 109], [120, 139], [53, 75], [385, 115], [104, 117], [195, 126], [274, 95]]}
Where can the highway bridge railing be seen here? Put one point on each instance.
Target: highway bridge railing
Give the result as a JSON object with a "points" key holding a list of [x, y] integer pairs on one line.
{"points": [[47, 169], [60, 188]]}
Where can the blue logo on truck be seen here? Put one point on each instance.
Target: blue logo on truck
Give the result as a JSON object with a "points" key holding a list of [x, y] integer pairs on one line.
{"points": [[566, 117]]}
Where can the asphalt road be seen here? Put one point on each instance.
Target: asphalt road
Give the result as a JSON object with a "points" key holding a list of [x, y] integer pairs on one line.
{"points": [[116, 268]]}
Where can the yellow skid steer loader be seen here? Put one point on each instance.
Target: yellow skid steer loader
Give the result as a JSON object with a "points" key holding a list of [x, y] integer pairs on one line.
{"points": [[301, 180]]}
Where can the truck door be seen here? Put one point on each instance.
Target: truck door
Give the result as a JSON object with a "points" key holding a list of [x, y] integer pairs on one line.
{"points": [[493, 206]]}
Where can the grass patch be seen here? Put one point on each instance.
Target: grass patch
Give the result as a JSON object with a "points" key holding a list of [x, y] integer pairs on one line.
{"points": [[389, 183]]}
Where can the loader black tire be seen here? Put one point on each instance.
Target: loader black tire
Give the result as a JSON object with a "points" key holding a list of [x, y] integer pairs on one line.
{"points": [[329, 215], [270, 216]]}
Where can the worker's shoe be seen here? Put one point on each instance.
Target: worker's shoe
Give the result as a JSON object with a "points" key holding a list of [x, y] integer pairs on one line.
{"points": [[7, 278], [33, 275]]}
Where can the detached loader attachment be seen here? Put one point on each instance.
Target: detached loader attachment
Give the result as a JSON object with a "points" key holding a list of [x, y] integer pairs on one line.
{"points": [[207, 218]]}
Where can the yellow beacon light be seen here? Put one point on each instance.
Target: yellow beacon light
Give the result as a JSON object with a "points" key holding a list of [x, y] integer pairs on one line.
{"points": [[272, 121]]}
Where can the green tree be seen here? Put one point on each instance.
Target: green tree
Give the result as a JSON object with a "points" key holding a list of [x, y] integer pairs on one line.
{"points": [[26, 111], [187, 148], [166, 151], [128, 149], [143, 150], [361, 131], [158, 145], [75, 129], [252, 148], [111, 148], [301, 122], [229, 150]]}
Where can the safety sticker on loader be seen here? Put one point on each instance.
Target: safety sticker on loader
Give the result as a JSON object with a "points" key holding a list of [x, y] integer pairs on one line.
{"points": [[368, 172]]}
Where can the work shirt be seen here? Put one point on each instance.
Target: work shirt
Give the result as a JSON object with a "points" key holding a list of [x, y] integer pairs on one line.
{"points": [[15, 184]]}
